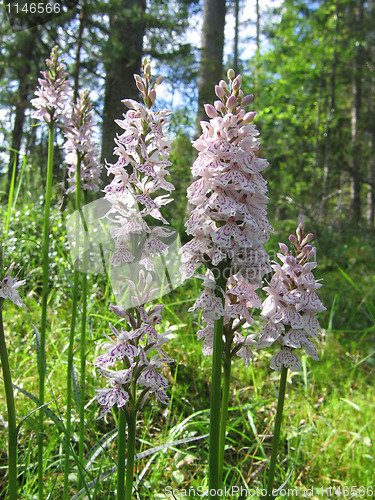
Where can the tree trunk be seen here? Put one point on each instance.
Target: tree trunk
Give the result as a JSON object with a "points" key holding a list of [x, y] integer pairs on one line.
{"points": [[123, 59], [257, 53], [330, 115], [26, 52], [356, 109], [370, 79], [236, 35], [371, 181], [77, 62], [212, 47], [313, 203]]}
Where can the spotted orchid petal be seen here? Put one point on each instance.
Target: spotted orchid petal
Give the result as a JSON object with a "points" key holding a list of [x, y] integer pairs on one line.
{"points": [[287, 358]]}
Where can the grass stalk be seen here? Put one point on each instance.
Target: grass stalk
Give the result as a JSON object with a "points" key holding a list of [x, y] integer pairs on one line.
{"points": [[45, 290], [10, 194], [19, 182], [276, 432], [71, 345], [12, 427]]}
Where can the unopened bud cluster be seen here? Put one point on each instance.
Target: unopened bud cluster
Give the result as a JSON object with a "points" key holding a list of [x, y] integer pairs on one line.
{"points": [[232, 100], [146, 88], [54, 92], [80, 146]]}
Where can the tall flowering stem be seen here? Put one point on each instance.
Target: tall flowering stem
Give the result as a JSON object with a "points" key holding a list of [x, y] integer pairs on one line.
{"points": [[82, 379], [290, 310], [227, 367], [69, 385], [121, 455], [8, 290], [276, 431], [83, 175], [132, 422], [12, 425], [70, 359], [229, 227], [45, 292], [136, 346], [51, 106], [216, 453]]}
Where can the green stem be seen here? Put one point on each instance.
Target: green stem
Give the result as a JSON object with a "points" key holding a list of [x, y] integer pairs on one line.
{"points": [[12, 427], [71, 346], [276, 433], [214, 479], [82, 382], [121, 451], [214, 476], [132, 418], [45, 290], [68, 425], [224, 410]]}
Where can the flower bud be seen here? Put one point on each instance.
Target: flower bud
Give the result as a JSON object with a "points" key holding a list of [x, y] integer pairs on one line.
{"points": [[153, 96], [210, 111], [147, 69], [293, 239], [248, 99], [312, 253], [299, 232], [159, 80], [307, 239], [219, 105], [307, 249], [128, 103], [249, 117], [236, 84], [119, 311], [223, 84], [241, 114], [219, 91], [284, 248], [231, 74], [140, 86], [231, 102]]}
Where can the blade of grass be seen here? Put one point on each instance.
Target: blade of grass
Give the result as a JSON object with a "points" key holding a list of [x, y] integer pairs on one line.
{"points": [[10, 194], [139, 456], [19, 182], [349, 279]]}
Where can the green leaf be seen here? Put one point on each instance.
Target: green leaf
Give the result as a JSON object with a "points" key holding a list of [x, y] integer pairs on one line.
{"points": [[351, 404]]}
